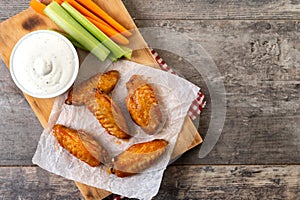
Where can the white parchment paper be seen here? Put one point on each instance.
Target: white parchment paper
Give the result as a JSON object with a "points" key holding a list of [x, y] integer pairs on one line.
{"points": [[175, 97]]}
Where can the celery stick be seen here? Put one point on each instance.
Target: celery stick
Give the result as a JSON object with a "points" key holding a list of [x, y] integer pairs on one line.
{"points": [[128, 52], [112, 46], [72, 40], [76, 44], [112, 57], [65, 21]]}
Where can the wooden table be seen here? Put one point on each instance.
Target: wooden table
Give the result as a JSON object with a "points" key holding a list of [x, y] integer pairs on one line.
{"points": [[255, 46]]}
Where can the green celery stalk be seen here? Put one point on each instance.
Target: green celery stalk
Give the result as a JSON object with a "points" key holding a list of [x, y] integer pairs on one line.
{"points": [[112, 57], [128, 52], [78, 45], [72, 40], [65, 21], [117, 51]]}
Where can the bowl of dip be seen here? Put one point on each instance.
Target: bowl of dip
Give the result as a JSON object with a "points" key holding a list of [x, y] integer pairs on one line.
{"points": [[44, 64]]}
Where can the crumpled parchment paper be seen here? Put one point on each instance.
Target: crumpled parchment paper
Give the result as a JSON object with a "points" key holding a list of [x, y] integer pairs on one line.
{"points": [[175, 97]]}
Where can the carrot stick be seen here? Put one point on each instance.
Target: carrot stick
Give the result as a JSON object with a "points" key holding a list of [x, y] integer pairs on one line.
{"points": [[82, 9], [59, 1], [101, 22], [94, 8], [37, 6], [110, 32], [102, 25]]}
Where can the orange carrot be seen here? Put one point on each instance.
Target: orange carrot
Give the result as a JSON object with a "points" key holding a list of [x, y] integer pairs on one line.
{"points": [[59, 1], [101, 22], [110, 32], [84, 11], [37, 6], [102, 25], [94, 8]]}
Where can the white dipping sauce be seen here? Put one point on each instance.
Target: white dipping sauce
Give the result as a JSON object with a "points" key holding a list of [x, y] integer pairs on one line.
{"points": [[44, 64]]}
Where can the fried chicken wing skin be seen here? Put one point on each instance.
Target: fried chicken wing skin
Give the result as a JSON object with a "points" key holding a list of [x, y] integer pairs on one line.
{"points": [[80, 144], [142, 104], [104, 82], [108, 114], [138, 157]]}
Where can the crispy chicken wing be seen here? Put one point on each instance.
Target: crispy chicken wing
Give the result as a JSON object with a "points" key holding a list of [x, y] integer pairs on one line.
{"points": [[80, 144], [93, 94], [142, 104], [104, 82], [138, 157], [108, 114]]}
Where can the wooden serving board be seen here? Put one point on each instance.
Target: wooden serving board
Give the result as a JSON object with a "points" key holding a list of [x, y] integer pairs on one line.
{"points": [[27, 21]]}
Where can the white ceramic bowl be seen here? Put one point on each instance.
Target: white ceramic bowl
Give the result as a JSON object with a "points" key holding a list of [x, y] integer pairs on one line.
{"points": [[44, 64]]}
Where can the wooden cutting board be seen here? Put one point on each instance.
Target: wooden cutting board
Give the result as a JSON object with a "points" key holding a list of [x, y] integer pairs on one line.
{"points": [[27, 21]]}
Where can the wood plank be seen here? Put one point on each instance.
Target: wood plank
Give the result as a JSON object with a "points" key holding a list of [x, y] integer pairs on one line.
{"points": [[11, 8], [35, 183], [92, 193], [180, 182], [208, 9], [231, 182], [190, 9], [19, 128]]}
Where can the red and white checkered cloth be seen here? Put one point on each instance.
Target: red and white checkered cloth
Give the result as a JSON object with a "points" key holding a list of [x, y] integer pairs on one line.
{"points": [[198, 104]]}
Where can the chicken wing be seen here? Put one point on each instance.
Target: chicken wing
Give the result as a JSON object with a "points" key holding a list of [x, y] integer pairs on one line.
{"points": [[108, 114], [104, 82], [138, 157], [142, 104], [80, 144]]}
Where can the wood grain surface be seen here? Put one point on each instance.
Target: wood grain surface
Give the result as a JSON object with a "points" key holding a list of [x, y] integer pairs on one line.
{"points": [[255, 45], [192, 9], [179, 182], [214, 9]]}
